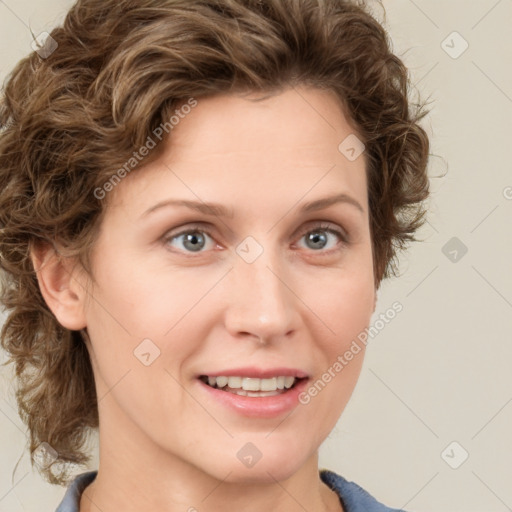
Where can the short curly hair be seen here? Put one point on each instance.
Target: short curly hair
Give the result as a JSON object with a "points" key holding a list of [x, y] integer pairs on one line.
{"points": [[73, 114]]}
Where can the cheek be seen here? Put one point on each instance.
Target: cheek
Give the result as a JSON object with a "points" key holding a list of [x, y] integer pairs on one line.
{"points": [[129, 297], [344, 301], [345, 312], [119, 317], [348, 310], [142, 316], [345, 307]]}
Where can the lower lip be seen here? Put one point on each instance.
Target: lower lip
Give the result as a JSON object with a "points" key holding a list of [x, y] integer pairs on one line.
{"points": [[258, 406]]}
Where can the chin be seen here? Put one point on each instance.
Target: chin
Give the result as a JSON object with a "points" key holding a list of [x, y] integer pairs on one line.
{"points": [[260, 474], [266, 467]]}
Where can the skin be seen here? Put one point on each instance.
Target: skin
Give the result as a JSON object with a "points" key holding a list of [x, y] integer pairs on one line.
{"points": [[163, 444]]}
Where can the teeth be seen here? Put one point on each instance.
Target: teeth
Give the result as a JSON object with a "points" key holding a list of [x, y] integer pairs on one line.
{"points": [[235, 382], [221, 381], [288, 382], [252, 385]]}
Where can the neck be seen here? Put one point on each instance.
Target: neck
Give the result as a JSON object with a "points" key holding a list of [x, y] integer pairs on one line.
{"points": [[136, 475]]}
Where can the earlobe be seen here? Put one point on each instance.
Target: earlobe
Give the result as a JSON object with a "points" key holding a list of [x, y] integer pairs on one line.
{"points": [[59, 286]]}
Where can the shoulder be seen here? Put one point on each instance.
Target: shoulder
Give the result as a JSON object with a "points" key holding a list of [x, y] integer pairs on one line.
{"points": [[71, 500], [353, 497]]}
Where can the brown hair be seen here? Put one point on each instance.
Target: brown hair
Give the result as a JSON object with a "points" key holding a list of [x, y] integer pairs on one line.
{"points": [[74, 114]]}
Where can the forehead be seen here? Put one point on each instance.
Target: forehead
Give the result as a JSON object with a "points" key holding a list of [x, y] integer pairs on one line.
{"points": [[229, 145], [300, 117]]}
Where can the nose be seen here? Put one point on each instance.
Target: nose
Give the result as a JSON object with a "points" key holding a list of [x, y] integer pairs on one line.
{"points": [[261, 300]]}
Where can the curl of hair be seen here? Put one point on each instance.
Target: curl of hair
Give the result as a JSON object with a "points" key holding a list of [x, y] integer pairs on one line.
{"points": [[120, 69]]}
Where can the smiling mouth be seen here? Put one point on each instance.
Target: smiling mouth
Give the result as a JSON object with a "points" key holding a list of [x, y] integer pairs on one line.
{"points": [[248, 386]]}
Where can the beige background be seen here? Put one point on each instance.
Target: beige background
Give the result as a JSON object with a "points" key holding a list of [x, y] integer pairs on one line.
{"points": [[440, 371]]}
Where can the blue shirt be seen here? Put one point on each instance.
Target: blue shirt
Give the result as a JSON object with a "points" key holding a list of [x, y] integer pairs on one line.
{"points": [[352, 497]]}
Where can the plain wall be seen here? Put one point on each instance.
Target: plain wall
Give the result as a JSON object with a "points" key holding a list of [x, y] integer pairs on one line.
{"points": [[439, 372]]}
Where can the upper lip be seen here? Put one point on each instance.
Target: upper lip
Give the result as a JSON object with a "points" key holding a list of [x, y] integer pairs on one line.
{"points": [[258, 373]]}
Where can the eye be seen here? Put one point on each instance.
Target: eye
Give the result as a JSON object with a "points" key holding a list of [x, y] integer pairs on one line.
{"points": [[318, 237], [192, 240]]}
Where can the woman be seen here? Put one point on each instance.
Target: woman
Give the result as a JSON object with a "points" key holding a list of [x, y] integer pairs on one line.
{"points": [[200, 201]]}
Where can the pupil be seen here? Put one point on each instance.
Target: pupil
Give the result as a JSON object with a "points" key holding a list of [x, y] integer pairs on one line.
{"points": [[193, 239], [316, 237]]}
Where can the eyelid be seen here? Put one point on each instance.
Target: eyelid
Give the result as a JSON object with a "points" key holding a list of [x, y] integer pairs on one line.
{"points": [[202, 227], [334, 229], [325, 226]]}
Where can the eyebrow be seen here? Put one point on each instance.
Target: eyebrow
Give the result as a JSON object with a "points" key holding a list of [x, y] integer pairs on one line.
{"points": [[325, 202], [219, 210], [213, 209]]}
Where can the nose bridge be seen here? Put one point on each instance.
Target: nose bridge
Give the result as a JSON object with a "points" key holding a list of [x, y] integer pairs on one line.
{"points": [[262, 303]]}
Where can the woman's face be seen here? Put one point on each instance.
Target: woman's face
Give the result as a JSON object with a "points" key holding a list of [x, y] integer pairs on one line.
{"points": [[264, 283]]}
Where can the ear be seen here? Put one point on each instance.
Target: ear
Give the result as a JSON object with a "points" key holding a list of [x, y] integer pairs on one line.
{"points": [[59, 285]]}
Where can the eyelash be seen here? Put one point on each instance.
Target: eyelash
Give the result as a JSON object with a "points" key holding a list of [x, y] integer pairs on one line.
{"points": [[320, 226]]}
